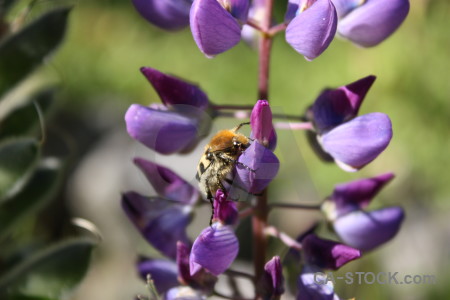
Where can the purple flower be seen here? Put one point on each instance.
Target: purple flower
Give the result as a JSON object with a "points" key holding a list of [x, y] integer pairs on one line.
{"points": [[166, 14], [313, 287], [327, 254], [368, 230], [261, 123], [312, 26], [272, 284], [368, 23], [184, 293], [167, 183], [164, 273], [257, 167], [176, 126], [225, 210], [160, 221], [216, 25], [352, 142], [214, 249]]}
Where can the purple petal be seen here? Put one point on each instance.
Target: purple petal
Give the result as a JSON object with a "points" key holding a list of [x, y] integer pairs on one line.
{"points": [[273, 278], [166, 14], [214, 249], [167, 183], [358, 194], [174, 91], [184, 293], [225, 210], [292, 10], [334, 107], [240, 9], [309, 289], [343, 7], [261, 123], [359, 141], [163, 131], [327, 254], [214, 29], [183, 262], [257, 167], [312, 31], [161, 222], [164, 273], [368, 230], [374, 21]]}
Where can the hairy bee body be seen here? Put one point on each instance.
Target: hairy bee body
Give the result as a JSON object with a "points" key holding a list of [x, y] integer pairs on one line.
{"points": [[215, 168]]}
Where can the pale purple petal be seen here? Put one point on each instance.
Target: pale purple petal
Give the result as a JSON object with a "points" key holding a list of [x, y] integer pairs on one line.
{"points": [[368, 230], [358, 194], [359, 141], [309, 289], [240, 9], [374, 21], [257, 167], [292, 10], [273, 278], [174, 91], [327, 254], [164, 273], [214, 249], [184, 293], [161, 222], [163, 131], [312, 31], [166, 14], [214, 29], [334, 107], [261, 123], [167, 183], [225, 210], [343, 7]]}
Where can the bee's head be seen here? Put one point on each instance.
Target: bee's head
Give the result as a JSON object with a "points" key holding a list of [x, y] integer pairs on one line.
{"points": [[240, 142]]}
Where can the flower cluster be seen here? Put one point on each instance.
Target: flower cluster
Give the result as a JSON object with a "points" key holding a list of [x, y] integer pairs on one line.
{"points": [[235, 171]]}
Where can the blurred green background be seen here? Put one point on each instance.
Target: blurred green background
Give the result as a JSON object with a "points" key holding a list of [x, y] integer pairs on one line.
{"points": [[97, 69]]}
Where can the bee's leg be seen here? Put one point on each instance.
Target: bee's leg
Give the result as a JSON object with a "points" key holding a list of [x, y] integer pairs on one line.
{"points": [[235, 162], [211, 200]]}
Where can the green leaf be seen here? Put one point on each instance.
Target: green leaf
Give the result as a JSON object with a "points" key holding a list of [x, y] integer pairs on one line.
{"points": [[22, 52], [18, 158], [21, 120], [38, 191], [52, 272]]}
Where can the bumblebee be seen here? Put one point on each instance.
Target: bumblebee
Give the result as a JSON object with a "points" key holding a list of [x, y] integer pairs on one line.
{"points": [[215, 168]]}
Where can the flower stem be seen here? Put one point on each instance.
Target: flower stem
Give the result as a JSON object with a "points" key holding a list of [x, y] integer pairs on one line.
{"points": [[296, 206], [286, 239], [265, 46]]}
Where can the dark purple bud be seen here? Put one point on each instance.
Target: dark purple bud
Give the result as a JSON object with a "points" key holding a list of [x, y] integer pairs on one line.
{"points": [[368, 230], [356, 195], [334, 107], [166, 14], [165, 131], [167, 183], [225, 210], [257, 167], [359, 141], [310, 289], [161, 222], [273, 285], [327, 254], [261, 123], [313, 29], [214, 29], [174, 91], [184, 293], [164, 273], [373, 21], [214, 249]]}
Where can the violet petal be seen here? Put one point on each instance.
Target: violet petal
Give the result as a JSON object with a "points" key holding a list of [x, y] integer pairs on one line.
{"points": [[167, 183], [166, 14], [334, 107], [164, 273], [312, 31], [163, 131], [257, 167], [225, 210], [374, 21], [161, 222], [368, 230], [214, 249], [214, 29], [327, 254], [359, 141], [273, 278], [240, 9], [343, 7], [183, 293], [261, 123], [174, 91], [309, 289], [357, 194]]}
